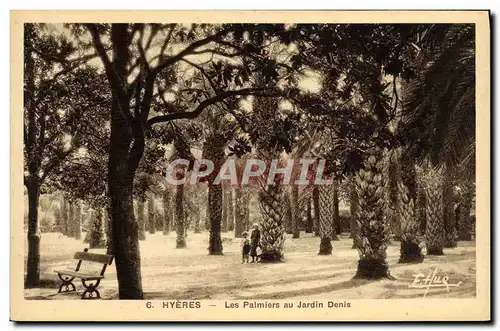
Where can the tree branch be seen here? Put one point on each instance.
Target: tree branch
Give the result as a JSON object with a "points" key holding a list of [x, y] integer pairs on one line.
{"points": [[115, 81], [188, 50], [207, 102]]}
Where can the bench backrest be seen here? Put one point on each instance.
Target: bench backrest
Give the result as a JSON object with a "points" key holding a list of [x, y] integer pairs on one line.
{"points": [[104, 259]]}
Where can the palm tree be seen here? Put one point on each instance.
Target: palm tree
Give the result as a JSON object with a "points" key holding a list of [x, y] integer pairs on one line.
{"points": [[439, 117]]}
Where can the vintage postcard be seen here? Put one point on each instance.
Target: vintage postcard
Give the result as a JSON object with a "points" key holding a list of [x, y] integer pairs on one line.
{"points": [[250, 166]]}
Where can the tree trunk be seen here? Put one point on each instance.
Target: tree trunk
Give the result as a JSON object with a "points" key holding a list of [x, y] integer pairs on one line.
{"points": [[434, 234], [108, 229], [151, 215], [33, 263], [288, 214], [463, 210], [353, 209], [326, 210], [373, 231], [410, 251], [230, 208], [296, 215], [96, 238], [207, 218], [315, 198], [140, 219], [336, 212], [450, 228], [124, 156], [225, 210], [64, 217], [310, 223], [166, 211], [179, 217], [125, 228], [241, 205], [421, 210], [272, 215], [215, 216], [78, 216]]}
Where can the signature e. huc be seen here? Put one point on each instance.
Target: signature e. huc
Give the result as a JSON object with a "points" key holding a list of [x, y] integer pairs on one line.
{"points": [[432, 280]]}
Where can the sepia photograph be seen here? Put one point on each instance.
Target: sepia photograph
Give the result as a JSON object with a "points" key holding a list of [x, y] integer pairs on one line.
{"points": [[288, 166]]}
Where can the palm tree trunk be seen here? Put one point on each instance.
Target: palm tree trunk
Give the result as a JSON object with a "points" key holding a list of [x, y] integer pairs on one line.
{"points": [[434, 234], [225, 207], [464, 208], [241, 212], [326, 210], [296, 212], [373, 230], [230, 208], [336, 212], [166, 211], [310, 223], [410, 249], [215, 216], [288, 214], [315, 198], [272, 215], [353, 208], [450, 228], [421, 210]]}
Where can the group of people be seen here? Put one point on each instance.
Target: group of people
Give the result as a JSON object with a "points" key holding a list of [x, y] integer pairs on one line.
{"points": [[251, 246]]}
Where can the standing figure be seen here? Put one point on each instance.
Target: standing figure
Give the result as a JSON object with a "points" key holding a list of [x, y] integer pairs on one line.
{"points": [[254, 242], [245, 247]]}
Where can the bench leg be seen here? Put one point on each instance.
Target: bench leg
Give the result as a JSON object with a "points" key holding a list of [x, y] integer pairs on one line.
{"points": [[91, 291], [66, 283]]}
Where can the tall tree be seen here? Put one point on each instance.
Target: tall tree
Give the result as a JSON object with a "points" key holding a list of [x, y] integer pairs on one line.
{"points": [[53, 105], [132, 47]]}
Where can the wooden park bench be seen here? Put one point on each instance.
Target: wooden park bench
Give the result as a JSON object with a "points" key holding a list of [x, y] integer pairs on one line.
{"points": [[90, 280]]}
